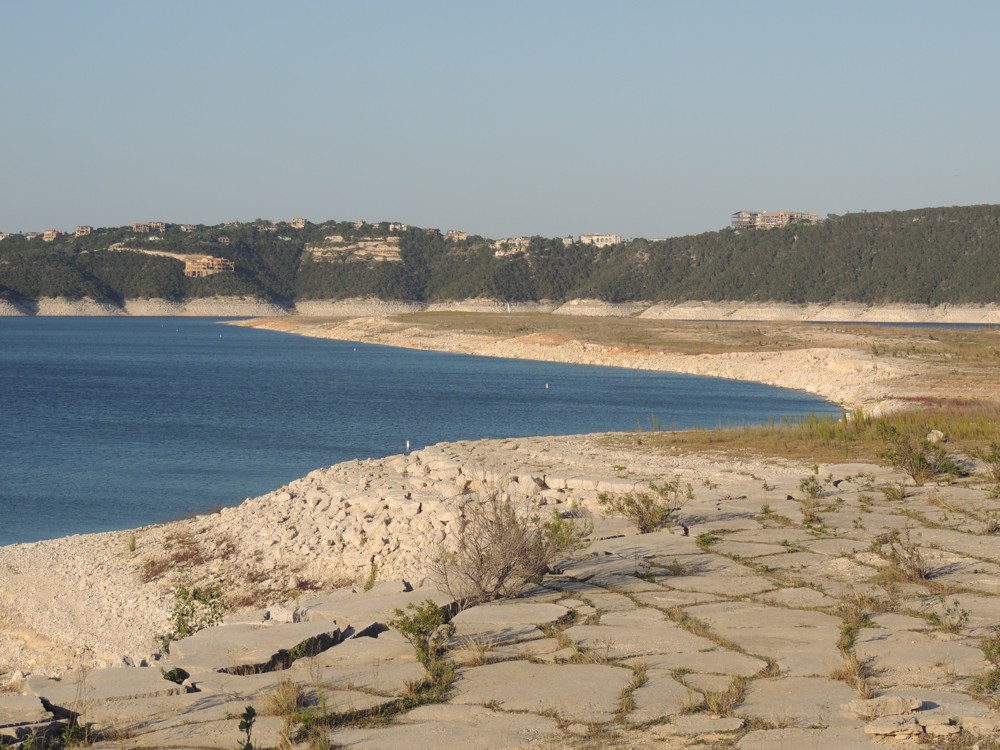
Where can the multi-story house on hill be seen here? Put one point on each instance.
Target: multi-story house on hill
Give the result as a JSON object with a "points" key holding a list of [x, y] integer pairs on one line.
{"points": [[200, 267], [600, 240], [770, 219]]}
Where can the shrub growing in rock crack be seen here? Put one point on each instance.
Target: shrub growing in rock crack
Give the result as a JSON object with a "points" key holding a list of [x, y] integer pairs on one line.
{"points": [[906, 561], [650, 511], [500, 546], [426, 627]]}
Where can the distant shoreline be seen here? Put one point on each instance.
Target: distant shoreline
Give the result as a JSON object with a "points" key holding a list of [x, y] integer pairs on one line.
{"points": [[833, 312]]}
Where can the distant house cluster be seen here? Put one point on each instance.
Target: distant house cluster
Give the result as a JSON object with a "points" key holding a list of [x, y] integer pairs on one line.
{"points": [[298, 223], [198, 268], [770, 219], [456, 235]]}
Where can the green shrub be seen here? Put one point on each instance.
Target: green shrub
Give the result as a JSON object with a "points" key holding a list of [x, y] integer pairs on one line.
{"points": [[195, 608], [811, 486], [650, 511], [921, 461], [426, 627]]}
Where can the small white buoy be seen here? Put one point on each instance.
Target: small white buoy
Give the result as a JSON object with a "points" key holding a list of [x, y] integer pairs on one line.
{"points": [[407, 446], [546, 386]]}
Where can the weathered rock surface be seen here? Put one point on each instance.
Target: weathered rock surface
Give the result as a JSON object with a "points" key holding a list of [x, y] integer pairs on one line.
{"points": [[655, 640]]}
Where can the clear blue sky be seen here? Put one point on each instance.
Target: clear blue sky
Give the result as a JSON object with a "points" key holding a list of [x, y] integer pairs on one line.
{"points": [[544, 117]]}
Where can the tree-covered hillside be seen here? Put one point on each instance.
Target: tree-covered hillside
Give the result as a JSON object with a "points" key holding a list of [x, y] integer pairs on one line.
{"points": [[926, 256]]}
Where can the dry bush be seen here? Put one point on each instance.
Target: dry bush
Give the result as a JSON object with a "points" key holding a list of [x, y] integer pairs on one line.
{"points": [[500, 546], [906, 561]]}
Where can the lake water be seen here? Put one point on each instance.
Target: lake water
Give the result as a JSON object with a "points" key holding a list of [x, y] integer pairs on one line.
{"points": [[111, 423]]}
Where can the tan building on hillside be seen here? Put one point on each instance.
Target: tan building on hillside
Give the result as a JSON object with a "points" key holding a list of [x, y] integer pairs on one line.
{"points": [[600, 240], [50, 235], [83, 230], [187, 227], [145, 227], [198, 268], [298, 223], [456, 235]]}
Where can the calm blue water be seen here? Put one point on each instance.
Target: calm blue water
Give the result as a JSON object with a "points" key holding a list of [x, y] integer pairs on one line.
{"points": [[112, 423]]}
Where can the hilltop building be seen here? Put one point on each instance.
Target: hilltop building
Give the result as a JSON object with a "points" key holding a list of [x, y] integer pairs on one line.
{"points": [[600, 240], [770, 219], [298, 223], [145, 227], [397, 227], [83, 230], [456, 235], [187, 227], [198, 268], [49, 235]]}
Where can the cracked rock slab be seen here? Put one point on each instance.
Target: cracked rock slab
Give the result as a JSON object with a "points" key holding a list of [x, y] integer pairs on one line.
{"points": [[446, 725], [801, 701], [576, 692]]}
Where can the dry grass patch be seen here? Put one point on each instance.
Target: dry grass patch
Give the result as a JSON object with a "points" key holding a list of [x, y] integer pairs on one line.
{"points": [[286, 699], [856, 673], [828, 439], [720, 702]]}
